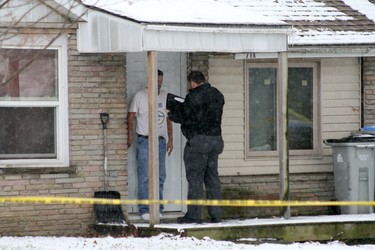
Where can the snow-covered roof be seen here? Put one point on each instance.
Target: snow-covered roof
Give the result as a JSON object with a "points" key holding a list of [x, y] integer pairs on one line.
{"points": [[319, 22], [182, 11], [178, 25], [315, 22]]}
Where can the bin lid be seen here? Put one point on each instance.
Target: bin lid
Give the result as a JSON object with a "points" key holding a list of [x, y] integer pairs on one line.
{"points": [[353, 138], [368, 128]]}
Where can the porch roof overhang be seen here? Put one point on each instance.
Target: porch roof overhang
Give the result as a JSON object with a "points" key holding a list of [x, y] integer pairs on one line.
{"points": [[106, 33]]}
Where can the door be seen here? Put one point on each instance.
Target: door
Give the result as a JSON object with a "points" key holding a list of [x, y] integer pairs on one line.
{"points": [[173, 65]]}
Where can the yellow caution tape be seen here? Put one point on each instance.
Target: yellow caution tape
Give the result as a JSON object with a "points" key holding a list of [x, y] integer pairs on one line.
{"points": [[231, 203]]}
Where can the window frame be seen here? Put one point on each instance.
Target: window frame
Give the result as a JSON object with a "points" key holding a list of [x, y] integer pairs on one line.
{"points": [[317, 146], [61, 105]]}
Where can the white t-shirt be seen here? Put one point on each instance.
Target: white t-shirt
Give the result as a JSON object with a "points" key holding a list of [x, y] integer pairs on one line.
{"points": [[140, 107]]}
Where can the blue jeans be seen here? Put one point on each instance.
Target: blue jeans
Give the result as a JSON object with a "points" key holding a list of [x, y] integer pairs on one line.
{"points": [[142, 171]]}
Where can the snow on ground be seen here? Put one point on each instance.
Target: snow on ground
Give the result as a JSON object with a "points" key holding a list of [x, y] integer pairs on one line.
{"points": [[162, 241], [170, 242], [271, 221]]}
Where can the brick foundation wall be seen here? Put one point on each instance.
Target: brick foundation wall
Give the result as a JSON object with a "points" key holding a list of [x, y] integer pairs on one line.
{"points": [[303, 187], [96, 84]]}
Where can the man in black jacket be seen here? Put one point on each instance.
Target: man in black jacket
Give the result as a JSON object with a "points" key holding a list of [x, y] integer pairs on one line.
{"points": [[200, 120]]}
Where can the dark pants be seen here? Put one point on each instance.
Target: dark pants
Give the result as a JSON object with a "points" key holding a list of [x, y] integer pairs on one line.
{"points": [[201, 163]]}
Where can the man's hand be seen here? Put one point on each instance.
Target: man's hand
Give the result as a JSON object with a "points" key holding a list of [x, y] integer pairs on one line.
{"points": [[169, 147], [130, 141], [170, 137], [131, 116]]}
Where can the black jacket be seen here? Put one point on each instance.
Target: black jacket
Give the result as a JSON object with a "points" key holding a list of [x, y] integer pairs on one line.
{"points": [[201, 113]]}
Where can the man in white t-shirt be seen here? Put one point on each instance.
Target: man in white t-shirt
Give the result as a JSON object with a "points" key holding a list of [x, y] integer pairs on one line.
{"points": [[139, 109]]}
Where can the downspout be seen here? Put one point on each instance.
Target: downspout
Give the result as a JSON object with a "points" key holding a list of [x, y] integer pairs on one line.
{"points": [[362, 106]]}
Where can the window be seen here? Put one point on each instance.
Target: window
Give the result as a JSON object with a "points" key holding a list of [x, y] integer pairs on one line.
{"points": [[263, 109], [33, 106]]}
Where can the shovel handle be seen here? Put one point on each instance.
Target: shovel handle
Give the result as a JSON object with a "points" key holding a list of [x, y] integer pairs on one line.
{"points": [[105, 160], [104, 118]]}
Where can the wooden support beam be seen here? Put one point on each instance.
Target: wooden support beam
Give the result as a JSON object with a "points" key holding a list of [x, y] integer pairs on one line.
{"points": [[153, 141], [282, 92]]}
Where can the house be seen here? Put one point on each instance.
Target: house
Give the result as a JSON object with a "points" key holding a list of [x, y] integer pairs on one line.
{"points": [[77, 59]]}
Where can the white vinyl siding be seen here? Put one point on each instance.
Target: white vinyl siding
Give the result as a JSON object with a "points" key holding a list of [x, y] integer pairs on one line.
{"points": [[339, 111], [227, 75], [340, 97]]}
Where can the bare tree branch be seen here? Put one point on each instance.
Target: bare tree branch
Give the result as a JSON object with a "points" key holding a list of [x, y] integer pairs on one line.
{"points": [[7, 34]]}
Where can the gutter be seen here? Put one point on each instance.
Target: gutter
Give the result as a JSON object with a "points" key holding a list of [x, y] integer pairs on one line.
{"points": [[219, 29], [364, 50]]}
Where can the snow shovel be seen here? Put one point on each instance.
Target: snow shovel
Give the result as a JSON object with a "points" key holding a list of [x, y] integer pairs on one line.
{"points": [[108, 214]]}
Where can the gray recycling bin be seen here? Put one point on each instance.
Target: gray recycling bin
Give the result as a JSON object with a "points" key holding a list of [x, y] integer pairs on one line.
{"points": [[354, 164]]}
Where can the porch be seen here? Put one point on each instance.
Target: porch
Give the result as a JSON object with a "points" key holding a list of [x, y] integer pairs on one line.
{"points": [[353, 227]]}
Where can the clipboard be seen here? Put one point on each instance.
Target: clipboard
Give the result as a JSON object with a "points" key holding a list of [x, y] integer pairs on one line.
{"points": [[174, 102]]}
